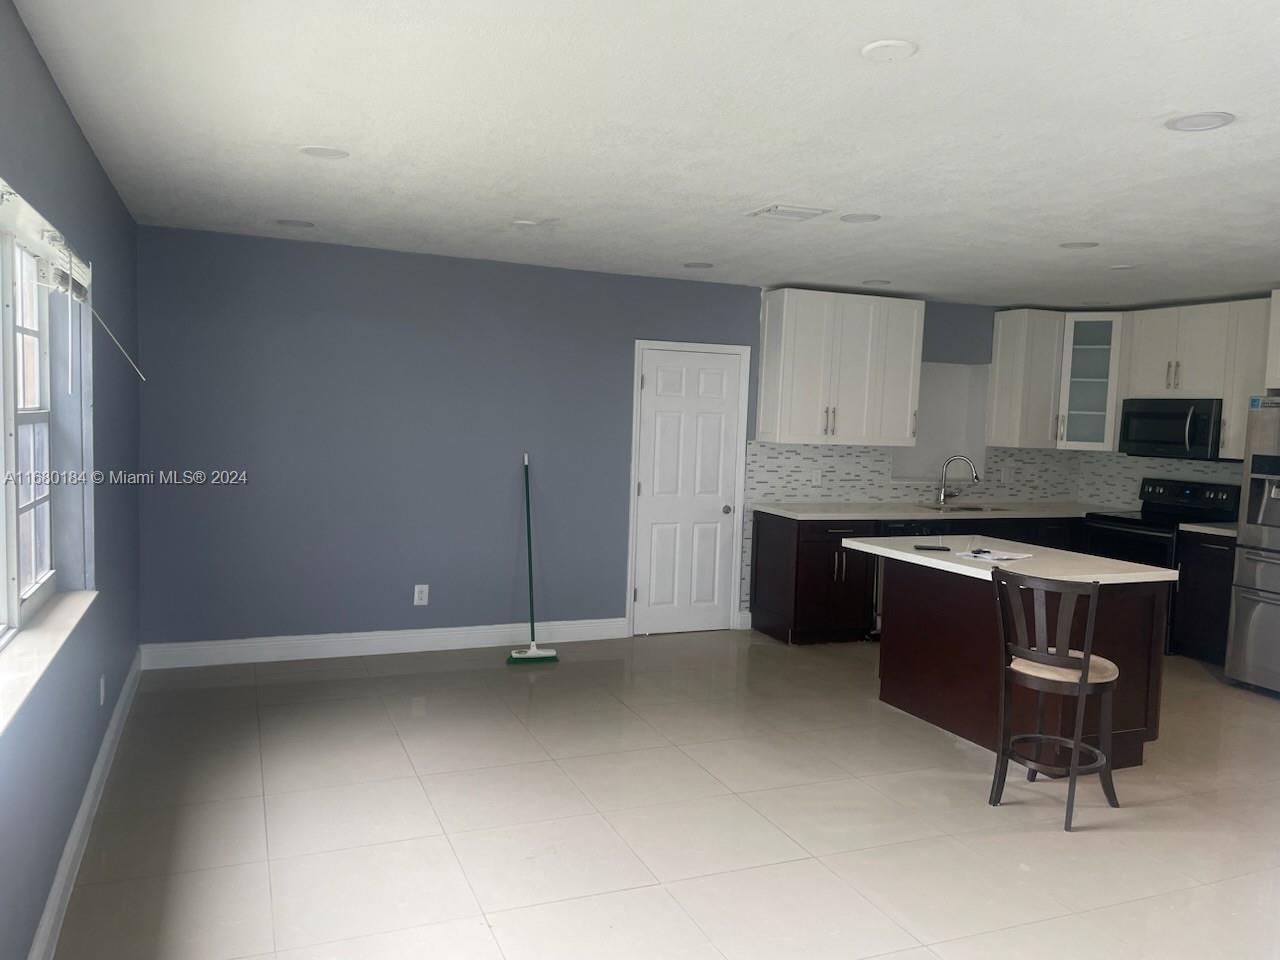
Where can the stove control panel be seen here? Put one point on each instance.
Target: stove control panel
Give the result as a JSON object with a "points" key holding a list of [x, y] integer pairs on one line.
{"points": [[1192, 494]]}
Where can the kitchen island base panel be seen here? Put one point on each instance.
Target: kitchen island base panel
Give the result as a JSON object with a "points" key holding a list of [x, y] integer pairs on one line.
{"points": [[940, 659]]}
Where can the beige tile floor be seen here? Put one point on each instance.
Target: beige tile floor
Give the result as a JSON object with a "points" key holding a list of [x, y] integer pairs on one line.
{"points": [[692, 796]]}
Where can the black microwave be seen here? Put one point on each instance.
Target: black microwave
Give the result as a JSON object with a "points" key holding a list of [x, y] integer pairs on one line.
{"points": [[1181, 429]]}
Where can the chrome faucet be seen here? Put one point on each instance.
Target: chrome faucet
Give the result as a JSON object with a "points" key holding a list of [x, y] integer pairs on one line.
{"points": [[942, 489]]}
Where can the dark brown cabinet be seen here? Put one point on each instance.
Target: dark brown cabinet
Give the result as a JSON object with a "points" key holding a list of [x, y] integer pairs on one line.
{"points": [[805, 588], [1202, 603]]}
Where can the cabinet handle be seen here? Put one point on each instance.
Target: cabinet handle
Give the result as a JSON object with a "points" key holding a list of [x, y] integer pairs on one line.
{"points": [[844, 565], [1216, 546], [826, 419], [1177, 373], [1168, 375], [1062, 425], [914, 415], [833, 420], [835, 565]]}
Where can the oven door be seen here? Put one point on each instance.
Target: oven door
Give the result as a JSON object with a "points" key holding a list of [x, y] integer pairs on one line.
{"points": [[1119, 541], [1181, 429]]}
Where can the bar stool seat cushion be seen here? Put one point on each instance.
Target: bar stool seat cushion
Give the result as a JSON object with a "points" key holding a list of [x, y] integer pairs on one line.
{"points": [[1101, 670]]}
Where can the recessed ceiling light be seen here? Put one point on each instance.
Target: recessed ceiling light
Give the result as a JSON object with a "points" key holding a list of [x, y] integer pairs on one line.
{"points": [[887, 51], [325, 153], [1199, 122], [300, 224], [698, 265], [1122, 266], [1078, 244], [529, 222], [875, 283], [860, 217]]}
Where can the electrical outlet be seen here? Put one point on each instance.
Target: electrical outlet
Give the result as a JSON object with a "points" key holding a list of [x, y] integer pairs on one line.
{"points": [[815, 478], [421, 593], [102, 689]]}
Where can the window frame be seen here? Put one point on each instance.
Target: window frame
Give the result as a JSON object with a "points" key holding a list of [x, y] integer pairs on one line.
{"points": [[19, 606]]}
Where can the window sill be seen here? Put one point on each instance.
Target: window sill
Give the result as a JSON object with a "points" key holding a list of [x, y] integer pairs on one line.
{"points": [[28, 653]]}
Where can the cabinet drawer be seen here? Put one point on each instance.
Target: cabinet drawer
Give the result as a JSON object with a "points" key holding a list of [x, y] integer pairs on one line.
{"points": [[837, 529]]}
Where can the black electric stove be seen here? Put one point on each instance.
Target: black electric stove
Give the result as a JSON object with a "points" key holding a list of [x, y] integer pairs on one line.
{"points": [[1150, 535]]}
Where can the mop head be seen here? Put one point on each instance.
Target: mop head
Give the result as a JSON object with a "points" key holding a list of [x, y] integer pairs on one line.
{"points": [[533, 655]]}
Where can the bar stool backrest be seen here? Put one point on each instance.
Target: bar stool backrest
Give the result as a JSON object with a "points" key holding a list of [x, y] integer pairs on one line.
{"points": [[1024, 621]]}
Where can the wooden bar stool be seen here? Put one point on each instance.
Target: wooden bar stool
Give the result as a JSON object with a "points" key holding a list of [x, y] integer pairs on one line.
{"points": [[1032, 657]]}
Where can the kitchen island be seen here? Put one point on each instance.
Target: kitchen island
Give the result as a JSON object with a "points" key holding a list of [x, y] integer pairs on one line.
{"points": [[940, 652]]}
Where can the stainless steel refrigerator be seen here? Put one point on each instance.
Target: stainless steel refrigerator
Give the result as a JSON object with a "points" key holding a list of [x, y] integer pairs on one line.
{"points": [[1253, 645]]}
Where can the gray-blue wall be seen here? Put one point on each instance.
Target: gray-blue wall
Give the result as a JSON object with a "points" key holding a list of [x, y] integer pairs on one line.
{"points": [[958, 332], [48, 748], [380, 403]]}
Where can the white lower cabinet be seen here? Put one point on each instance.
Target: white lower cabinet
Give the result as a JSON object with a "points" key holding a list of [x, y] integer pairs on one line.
{"points": [[839, 368]]}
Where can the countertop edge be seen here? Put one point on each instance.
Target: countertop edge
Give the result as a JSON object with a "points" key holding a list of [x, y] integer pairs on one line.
{"points": [[903, 549], [802, 510]]}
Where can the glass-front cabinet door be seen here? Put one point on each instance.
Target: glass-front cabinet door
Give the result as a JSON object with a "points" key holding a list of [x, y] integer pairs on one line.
{"points": [[1090, 366]]}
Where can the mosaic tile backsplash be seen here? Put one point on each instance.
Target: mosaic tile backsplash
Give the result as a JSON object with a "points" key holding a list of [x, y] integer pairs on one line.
{"points": [[779, 472]]}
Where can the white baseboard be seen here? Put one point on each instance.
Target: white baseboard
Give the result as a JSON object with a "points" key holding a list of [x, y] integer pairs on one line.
{"points": [[204, 653], [742, 619], [64, 880]]}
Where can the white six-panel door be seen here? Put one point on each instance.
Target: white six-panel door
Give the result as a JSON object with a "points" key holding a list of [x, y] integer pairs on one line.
{"points": [[686, 468]]}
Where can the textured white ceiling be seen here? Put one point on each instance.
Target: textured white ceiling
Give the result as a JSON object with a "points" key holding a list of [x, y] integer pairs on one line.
{"points": [[648, 129]]}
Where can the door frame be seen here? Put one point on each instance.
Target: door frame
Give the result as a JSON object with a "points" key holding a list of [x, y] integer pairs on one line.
{"points": [[738, 618]]}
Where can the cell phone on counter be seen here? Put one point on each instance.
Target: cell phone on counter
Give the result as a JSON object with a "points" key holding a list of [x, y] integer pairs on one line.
{"points": [[933, 546]]}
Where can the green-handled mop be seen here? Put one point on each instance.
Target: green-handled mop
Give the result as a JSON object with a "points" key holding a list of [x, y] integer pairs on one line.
{"points": [[533, 653]]}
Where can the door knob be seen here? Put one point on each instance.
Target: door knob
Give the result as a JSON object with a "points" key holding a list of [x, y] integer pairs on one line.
{"points": [[726, 509]]}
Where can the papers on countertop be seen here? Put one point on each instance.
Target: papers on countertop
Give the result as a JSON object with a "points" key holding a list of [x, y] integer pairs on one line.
{"points": [[993, 556]]}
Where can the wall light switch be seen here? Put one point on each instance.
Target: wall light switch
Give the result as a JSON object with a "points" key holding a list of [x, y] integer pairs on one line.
{"points": [[421, 592]]}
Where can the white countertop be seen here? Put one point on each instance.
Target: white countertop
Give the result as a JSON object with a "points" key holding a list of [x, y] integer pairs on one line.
{"points": [[1044, 561], [1210, 529], [810, 510]]}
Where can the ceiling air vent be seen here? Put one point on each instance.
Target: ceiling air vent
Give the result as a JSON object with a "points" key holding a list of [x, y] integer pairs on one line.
{"points": [[784, 211]]}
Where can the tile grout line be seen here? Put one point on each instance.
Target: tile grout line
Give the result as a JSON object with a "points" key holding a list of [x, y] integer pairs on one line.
{"points": [[266, 833]]}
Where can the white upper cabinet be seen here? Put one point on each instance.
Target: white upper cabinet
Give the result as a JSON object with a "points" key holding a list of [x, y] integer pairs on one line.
{"points": [[1273, 343], [1090, 379], [1026, 370], [1200, 368], [795, 381], [855, 388], [1155, 346], [1179, 351], [896, 358], [1248, 341], [839, 368]]}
